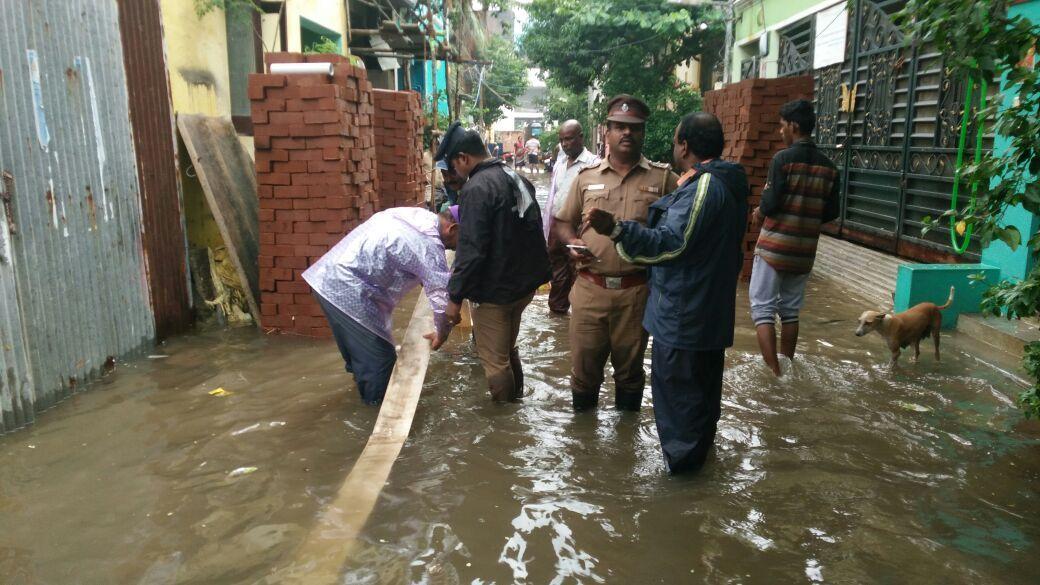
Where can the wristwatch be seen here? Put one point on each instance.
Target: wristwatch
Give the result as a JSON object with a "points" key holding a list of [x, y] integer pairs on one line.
{"points": [[616, 233]]}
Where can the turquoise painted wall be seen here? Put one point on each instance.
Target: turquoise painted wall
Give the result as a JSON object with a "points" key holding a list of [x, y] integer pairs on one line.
{"points": [[437, 77], [919, 283], [1014, 264]]}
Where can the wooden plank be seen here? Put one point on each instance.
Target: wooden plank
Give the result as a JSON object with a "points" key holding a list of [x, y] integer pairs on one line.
{"points": [[228, 178], [334, 538]]}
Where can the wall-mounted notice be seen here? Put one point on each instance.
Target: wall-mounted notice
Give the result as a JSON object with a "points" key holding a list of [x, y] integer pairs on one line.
{"points": [[832, 24]]}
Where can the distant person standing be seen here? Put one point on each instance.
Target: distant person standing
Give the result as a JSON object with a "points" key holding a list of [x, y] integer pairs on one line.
{"points": [[800, 195], [533, 148], [518, 153], [572, 159], [500, 260], [692, 244], [610, 293]]}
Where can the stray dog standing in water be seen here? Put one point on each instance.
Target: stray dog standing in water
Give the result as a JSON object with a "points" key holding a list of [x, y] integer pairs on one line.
{"points": [[902, 329]]}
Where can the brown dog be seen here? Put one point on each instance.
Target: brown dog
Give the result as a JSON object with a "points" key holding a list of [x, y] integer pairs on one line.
{"points": [[902, 329]]}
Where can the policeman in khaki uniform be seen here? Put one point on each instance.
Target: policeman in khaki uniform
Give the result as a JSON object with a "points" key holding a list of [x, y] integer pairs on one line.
{"points": [[610, 294]]}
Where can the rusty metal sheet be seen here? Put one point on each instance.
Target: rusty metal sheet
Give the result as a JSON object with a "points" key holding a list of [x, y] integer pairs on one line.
{"points": [[80, 286], [165, 245], [228, 177]]}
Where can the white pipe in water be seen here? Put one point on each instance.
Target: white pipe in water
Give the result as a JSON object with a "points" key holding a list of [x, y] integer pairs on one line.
{"points": [[323, 68]]}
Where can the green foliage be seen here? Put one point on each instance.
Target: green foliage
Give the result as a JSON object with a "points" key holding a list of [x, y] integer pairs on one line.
{"points": [[325, 45], [981, 42], [621, 46], [562, 104], [204, 7], [505, 79], [1029, 399]]}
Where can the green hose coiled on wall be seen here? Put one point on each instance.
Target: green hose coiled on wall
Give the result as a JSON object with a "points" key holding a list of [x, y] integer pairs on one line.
{"points": [[962, 247]]}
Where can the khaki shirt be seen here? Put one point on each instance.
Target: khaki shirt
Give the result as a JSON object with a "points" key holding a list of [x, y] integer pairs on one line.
{"points": [[627, 197]]}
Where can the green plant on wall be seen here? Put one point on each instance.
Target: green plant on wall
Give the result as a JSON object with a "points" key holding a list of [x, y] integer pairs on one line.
{"points": [[325, 45], [982, 43], [204, 7]]}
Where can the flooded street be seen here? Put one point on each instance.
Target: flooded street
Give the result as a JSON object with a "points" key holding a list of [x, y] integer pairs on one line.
{"points": [[845, 472]]}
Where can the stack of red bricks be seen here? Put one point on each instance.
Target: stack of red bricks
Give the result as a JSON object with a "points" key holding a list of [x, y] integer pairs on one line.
{"points": [[398, 135], [750, 114], [316, 179]]}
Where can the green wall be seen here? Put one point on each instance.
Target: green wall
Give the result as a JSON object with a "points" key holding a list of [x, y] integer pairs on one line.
{"points": [[756, 16]]}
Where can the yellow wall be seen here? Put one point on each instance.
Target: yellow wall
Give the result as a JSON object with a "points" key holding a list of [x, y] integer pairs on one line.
{"points": [[196, 56], [197, 64], [331, 14]]}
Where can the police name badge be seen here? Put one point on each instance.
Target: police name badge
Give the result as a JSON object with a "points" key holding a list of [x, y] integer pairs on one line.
{"points": [[596, 187]]}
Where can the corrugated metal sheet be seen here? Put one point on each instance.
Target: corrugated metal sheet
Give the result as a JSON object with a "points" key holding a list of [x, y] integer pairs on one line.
{"points": [[16, 393], [66, 139], [165, 246]]}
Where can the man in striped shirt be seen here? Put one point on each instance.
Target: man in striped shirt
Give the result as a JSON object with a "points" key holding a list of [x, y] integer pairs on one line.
{"points": [[800, 195]]}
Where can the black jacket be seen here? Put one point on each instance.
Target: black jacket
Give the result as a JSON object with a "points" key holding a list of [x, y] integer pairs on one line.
{"points": [[693, 246], [501, 257]]}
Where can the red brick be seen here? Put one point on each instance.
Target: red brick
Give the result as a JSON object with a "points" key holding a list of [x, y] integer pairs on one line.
{"points": [[287, 287], [320, 91], [275, 203], [305, 155], [323, 166], [290, 191], [289, 143], [321, 117], [310, 202], [292, 215], [265, 261], [305, 130], [274, 179], [286, 118], [283, 58], [299, 166], [290, 262]]}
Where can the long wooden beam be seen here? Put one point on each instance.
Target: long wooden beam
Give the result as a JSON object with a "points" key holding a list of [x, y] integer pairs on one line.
{"points": [[334, 538]]}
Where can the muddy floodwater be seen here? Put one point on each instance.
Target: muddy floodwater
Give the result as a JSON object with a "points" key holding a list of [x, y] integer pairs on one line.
{"points": [[844, 472]]}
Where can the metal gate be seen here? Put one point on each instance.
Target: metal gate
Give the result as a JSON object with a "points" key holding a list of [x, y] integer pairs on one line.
{"points": [[889, 117]]}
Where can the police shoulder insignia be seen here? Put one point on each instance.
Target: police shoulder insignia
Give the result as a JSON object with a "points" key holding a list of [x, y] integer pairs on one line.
{"points": [[660, 165]]}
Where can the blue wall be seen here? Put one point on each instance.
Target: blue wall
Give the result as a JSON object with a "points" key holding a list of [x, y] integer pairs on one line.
{"points": [[1014, 264]]}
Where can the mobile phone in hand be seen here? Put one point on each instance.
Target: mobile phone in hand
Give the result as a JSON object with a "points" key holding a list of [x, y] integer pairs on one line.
{"points": [[583, 250]]}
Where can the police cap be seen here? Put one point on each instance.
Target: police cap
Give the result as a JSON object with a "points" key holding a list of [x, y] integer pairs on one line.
{"points": [[628, 109]]}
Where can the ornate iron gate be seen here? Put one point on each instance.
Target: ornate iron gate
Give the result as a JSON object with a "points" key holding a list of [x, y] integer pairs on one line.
{"points": [[889, 117]]}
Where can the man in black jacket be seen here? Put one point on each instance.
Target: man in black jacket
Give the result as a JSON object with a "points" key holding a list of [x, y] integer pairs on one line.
{"points": [[500, 260]]}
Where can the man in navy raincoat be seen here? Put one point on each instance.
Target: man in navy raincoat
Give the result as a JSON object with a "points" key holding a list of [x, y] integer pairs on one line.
{"points": [[692, 245]]}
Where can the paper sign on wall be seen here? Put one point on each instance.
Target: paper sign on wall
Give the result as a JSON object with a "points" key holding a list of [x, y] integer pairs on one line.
{"points": [[832, 24]]}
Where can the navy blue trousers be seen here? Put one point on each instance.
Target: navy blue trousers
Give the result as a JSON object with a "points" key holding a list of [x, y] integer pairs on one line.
{"points": [[687, 390], [367, 356]]}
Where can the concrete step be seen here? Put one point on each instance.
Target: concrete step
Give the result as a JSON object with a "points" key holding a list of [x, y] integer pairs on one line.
{"points": [[864, 272], [1008, 336]]}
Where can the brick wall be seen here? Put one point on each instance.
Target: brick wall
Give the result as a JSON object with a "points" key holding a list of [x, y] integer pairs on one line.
{"points": [[750, 114], [316, 179], [398, 127]]}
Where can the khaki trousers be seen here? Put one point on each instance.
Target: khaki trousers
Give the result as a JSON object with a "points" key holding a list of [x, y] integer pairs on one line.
{"points": [[607, 323], [495, 329]]}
